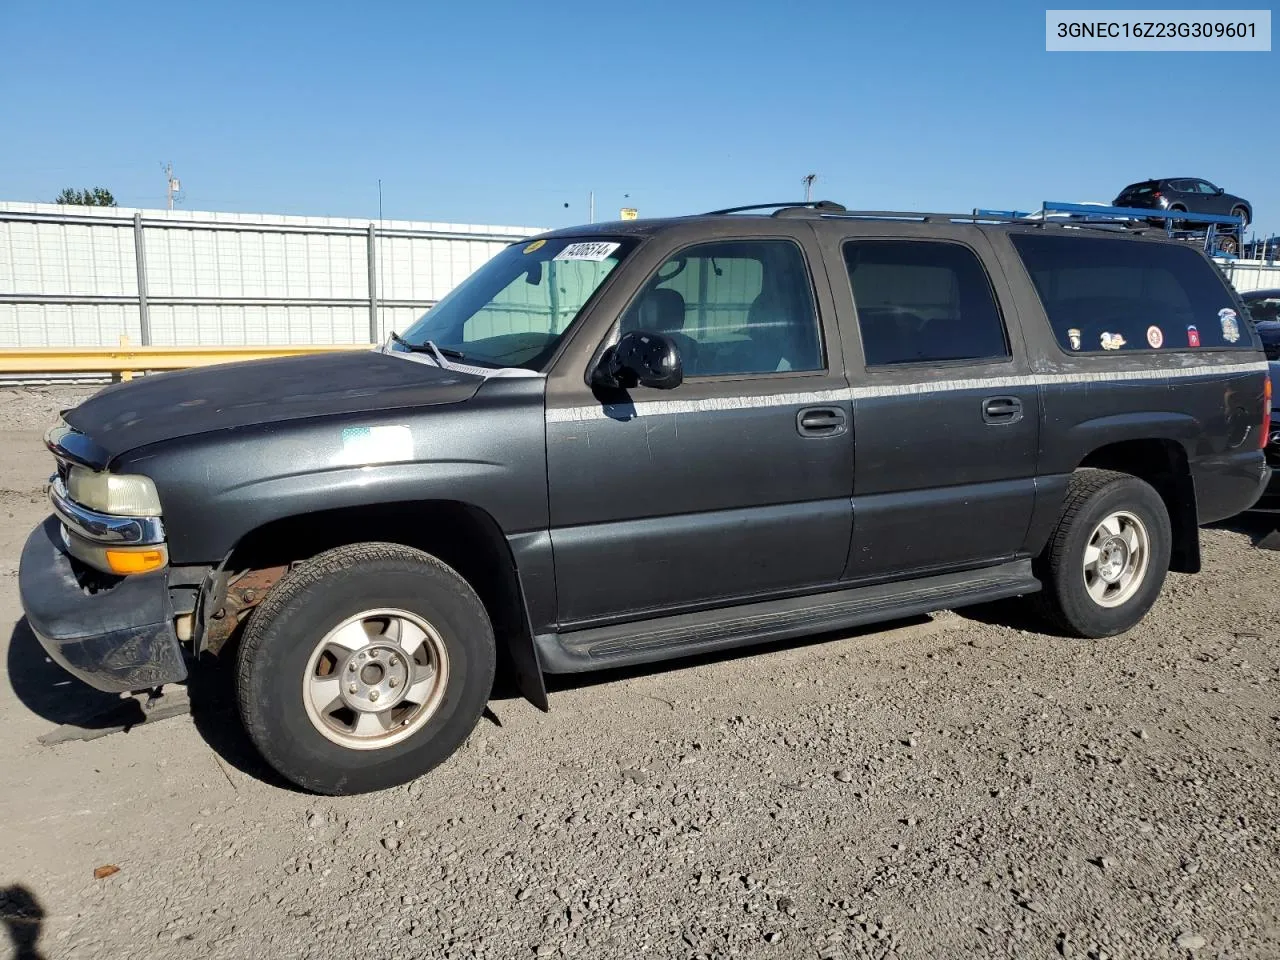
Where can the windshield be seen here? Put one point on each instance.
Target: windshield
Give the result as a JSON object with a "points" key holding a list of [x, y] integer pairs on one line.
{"points": [[514, 310]]}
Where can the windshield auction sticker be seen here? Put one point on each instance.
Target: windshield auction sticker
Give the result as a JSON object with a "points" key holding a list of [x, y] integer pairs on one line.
{"points": [[1157, 30], [587, 251]]}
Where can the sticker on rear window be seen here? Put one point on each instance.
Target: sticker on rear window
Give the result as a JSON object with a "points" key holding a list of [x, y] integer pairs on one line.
{"points": [[1113, 341], [1073, 337], [587, 251], [1230, 325], [1155, 337], [1193, 337]]}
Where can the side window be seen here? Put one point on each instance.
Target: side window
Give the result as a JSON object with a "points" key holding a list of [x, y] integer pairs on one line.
{"points": [[1112, 294], [734, 307], [923, 300], [1204, 186]]}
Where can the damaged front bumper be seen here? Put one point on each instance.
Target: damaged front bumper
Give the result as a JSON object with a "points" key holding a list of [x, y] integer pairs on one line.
{"points": [[118, 638]]}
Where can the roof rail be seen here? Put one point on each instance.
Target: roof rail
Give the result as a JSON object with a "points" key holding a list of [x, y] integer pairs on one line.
{"points": [[1178, 224], [980, 216], [1092, 211], [816, 205], [1051, 214]]}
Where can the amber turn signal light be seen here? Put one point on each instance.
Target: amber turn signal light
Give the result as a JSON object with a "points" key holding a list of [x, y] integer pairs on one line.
{"points": [[135, 561]]}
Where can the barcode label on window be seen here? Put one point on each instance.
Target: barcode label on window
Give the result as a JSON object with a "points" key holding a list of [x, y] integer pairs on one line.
{"points": [[587, 251]]}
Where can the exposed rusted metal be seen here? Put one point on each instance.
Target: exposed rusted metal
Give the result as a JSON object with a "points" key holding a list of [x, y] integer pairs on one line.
{"points": [[242, 594]]}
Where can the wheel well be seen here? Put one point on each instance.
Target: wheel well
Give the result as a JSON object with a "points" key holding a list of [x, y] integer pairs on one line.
{"points": [[1163, 464], [466, 538]]}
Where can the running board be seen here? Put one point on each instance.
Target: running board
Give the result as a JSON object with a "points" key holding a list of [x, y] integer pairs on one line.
{"points": [[662, 638]]}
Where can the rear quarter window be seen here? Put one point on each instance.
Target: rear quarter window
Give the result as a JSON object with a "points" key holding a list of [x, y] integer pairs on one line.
{"points": [[1115, 295]]}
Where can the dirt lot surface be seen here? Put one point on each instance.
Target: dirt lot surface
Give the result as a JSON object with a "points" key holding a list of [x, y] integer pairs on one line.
{"points": [[947, 788]]}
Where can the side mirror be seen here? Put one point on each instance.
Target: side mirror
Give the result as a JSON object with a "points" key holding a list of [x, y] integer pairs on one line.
{"points": [[1219, 191], [640, 359]]}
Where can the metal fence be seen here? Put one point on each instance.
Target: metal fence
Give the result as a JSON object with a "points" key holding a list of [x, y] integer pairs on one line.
{"points": [[82, 277], [1246, 275]]}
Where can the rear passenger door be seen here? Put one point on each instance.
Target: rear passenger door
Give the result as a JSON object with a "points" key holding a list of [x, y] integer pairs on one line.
{"points": [[1185, 193], [946, 414]]}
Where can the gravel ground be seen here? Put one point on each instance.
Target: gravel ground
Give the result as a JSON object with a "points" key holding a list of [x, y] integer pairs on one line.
{"points": [[36, 408], [945, 788]]}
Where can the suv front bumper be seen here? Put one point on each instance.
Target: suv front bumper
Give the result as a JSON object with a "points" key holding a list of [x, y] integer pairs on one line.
{"points": [[118, 639]]}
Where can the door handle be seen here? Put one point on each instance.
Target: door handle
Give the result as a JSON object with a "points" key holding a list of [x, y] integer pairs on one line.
{"points": [[821, 422], [1002, 410]]}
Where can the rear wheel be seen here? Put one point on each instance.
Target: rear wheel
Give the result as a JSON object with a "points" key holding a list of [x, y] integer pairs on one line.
{"points": [[364, 668], [1107, 558]]}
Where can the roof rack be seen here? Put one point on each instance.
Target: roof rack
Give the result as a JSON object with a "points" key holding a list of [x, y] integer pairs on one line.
{"points": [[816, 205], [1101, 213], [1137, 219], [829, 208], [917, 215], [1051, 213]]}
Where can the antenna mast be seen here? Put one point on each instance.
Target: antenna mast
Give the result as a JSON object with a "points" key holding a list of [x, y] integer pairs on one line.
{"points": [[808, 180]]}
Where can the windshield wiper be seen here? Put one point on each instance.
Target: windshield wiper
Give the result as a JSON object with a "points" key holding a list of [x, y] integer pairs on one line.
{"points": [[429, 347]]}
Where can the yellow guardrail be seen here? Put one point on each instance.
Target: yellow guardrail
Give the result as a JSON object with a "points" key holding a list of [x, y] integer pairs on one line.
{"points": [[127, 360]]}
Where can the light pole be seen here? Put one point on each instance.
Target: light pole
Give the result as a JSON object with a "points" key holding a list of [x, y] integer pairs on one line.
{"points": [[173, 185]]}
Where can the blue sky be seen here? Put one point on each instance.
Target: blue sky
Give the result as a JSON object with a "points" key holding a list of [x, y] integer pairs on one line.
{"points": [[503, 112]]}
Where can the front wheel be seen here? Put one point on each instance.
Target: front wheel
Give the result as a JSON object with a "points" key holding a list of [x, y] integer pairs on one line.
{"points": [[364, 668], [1106, 561]]}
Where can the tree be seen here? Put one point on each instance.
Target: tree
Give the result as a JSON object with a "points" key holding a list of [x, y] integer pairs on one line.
{"points": [[97, 197]]}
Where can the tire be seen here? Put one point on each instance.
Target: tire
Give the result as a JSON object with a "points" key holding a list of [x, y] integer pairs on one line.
{"points": [[1227, 243], [1243, 214], [1067, 602], [354, 625]]}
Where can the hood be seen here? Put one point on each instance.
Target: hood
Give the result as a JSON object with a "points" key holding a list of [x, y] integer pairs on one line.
{"points": [[224, 396]]}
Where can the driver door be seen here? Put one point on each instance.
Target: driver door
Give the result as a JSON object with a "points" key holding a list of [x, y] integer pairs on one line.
{"points": [[735, 485]]}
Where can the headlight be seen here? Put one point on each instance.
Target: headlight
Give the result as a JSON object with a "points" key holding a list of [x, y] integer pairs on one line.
{"points": [[119, 494]]}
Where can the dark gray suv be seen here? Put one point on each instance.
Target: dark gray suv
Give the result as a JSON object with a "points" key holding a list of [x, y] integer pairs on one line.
{"points": [[627, 442]]}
